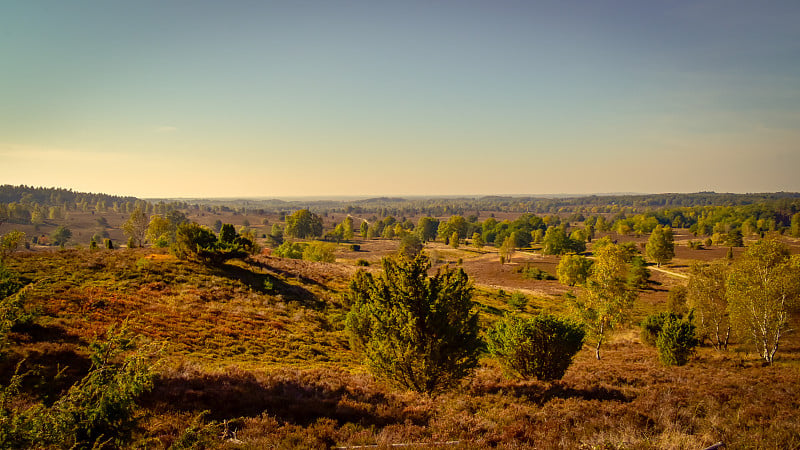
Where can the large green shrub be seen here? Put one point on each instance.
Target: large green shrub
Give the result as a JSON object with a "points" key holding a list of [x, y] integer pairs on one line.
{"points": [[652, 325], [415, 330], [676, 341], [541, 347]]}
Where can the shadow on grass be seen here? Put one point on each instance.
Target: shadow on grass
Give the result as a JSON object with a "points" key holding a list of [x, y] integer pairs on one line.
{"points": [[297, 401], [269, 284], [48, 369], [541, 393]]}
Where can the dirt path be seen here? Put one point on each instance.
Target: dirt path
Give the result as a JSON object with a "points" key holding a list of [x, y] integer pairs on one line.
{"points": [[669, 272]]}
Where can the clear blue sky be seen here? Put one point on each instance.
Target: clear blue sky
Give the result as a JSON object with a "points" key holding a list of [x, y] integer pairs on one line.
{"points": [[259, 98]]}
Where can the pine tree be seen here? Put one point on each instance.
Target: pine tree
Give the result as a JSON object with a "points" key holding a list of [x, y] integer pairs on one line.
{"points": [[416, 331]]}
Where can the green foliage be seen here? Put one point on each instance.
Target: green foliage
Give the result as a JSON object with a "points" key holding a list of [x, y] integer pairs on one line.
{"points": [[794, 229], [695, 245], [607, 300], [454, 239], [320, 251], [573, 269], [556, 242], [417, 331], [676, 300], [195, 242], [763, 286], [9, 243], [541, 347], [136, 227], [530, 272], [660, 245], [652, 325], [410, 246], [289, 249], [227, 233], [676, 341], [303, 223], [60, 236], [477, 240], [638, 274], [518, 301], [99, 411], [706, 296], [507, 250]]}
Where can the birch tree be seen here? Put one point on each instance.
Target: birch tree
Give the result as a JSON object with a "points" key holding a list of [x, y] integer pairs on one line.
{"points": [[763, 286]]}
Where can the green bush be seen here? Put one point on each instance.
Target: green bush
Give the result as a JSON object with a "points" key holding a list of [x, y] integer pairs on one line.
{"points": [[289, 249], [320, 251], [638, 275], [99, 411], [676, 341], [518, 301], [414, 330], [652, 325], [532, 273], [541, 347]]}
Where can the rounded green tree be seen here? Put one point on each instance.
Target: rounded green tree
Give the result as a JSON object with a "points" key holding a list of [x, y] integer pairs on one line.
{"points": [[541, 347]]}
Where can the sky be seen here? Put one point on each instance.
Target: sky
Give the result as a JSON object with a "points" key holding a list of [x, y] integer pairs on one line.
{"points": [[179, 98]]}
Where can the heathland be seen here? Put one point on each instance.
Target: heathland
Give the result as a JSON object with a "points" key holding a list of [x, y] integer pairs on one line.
{"points": [[125, 325]]}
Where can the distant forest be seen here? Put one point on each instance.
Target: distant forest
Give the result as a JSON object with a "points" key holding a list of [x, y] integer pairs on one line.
{"points": [[703, 213]]}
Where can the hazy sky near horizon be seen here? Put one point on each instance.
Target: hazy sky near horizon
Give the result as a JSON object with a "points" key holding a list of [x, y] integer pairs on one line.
{"points": [[201, 98]]}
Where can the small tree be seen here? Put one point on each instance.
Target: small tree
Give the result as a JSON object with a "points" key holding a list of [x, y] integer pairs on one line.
{"points": [[541, 347], [227, 233], [136, 227], [660, 246], [60, 236], [10, 241], [507, 250], [638, 275], [607, 300], [427, 227], [160, 231], [454, 239], [706, 296], [652, 325], [573, 269], [676, 341], [477, 240], [417, 331], [410, 246], [763, 286], [303, 223]]}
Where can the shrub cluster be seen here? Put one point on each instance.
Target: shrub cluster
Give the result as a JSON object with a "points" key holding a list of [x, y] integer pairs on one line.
{"points": [[541, 347]]}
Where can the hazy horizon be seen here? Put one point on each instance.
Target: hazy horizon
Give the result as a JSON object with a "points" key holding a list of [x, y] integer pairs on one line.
{"points": [[359, 99]]}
